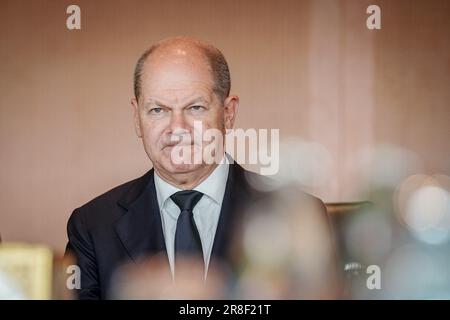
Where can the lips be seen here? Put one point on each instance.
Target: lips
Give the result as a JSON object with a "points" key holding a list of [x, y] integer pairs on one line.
{"points": [[179, 141], [179, 144]]}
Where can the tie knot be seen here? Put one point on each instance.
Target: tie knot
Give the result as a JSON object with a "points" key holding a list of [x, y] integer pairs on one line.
{"points": [[186, 199]]}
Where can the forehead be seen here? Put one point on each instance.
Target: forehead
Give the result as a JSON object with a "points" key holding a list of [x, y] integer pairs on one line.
{"points": [[178, 71]]}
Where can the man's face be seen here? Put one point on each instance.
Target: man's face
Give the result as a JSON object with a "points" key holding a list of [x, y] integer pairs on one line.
{"points": [[177, 90]]}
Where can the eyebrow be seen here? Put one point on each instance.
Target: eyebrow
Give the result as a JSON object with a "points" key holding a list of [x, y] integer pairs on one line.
{"points": [[153, 101], [162, 104]]}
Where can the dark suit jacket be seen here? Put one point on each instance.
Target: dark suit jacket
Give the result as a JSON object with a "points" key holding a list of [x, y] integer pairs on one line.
{"points": [[124, 224]]}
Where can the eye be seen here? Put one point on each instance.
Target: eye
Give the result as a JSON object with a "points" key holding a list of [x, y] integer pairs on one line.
{"points": [[156, 110], [197, 108]]}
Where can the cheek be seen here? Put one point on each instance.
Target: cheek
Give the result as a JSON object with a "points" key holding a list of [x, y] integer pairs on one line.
{"points": [[153, 131], [214, 120], [220, 121]]}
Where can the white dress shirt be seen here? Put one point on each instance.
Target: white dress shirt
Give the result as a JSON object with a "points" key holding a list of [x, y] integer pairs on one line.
{"points": [[206, 212]]}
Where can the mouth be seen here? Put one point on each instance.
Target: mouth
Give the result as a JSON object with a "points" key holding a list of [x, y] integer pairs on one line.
{"points": [[179, 144]]}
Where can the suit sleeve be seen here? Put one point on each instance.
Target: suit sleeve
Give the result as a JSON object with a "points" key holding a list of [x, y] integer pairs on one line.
{"points": [[81, 247]]}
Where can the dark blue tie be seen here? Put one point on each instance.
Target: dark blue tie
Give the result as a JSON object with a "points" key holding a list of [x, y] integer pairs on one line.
{"points": [[187, 238]]}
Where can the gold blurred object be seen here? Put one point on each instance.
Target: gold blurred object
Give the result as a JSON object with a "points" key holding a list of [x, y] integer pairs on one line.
{"points": [[29, 267], [334, 208]]}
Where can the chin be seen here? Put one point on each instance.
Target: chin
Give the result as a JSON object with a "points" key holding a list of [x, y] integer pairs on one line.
{"points": [[170, 166], [182, 168]]}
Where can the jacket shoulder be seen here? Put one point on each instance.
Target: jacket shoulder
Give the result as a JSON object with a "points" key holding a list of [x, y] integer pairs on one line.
{"points": [[105, 207], [268, 188]]}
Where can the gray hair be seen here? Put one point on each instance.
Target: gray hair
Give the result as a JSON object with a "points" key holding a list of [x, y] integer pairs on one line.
{"points": [[215, 58]]}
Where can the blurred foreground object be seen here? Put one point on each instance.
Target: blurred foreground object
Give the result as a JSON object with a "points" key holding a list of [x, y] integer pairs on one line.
{"points": [[25, 271], [287, 249], [150, 279], [32, 271], [403, 235]]}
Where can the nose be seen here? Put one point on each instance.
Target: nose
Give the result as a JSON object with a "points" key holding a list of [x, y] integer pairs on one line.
{"points": [[178, 123]]}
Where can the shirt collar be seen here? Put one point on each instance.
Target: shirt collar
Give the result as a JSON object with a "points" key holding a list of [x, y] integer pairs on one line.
{"points": [[213, 186]]}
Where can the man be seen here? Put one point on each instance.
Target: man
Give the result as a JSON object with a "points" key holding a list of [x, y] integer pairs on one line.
{"points": [[179, 207]]}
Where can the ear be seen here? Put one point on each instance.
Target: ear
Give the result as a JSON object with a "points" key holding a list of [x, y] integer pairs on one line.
{"points": [[137, 120], [230, 108]]}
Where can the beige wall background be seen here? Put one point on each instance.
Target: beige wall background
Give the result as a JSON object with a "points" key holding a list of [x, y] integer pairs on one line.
{"points": [[310, 68]]}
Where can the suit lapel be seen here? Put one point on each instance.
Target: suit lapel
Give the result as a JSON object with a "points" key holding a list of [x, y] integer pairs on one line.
{"points": [[140, 228], [234, 199]]}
